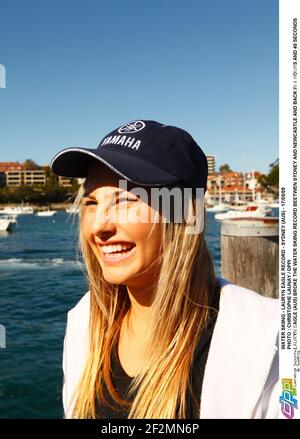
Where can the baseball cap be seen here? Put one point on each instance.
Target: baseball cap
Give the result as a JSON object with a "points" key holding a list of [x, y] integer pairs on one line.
{"points": [[145, 152]]}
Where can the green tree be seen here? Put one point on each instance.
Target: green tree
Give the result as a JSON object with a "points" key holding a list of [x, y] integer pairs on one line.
{"points": [[30, 164], [225, 168], [38, 194], [270, 182]]}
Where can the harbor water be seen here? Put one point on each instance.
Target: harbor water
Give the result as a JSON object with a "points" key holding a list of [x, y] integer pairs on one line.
{"points": [[41, 279]]}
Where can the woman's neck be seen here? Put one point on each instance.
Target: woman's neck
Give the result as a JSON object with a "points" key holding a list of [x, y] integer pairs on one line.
{"points": [[135, 329], [140, 313]]}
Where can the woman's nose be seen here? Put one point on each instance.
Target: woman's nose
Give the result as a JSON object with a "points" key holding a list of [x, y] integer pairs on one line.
{"points": [[102, 221]]}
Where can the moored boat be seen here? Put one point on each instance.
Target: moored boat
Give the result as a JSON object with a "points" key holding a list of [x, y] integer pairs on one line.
{"points": [[7, 223], [17, 210], [220, 207], [250, 211], [46, 212], [72, 209]]}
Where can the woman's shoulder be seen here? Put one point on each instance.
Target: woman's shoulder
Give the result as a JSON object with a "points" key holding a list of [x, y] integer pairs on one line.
{"points": [[81, 311], [243, 306], [83, 302], [241, 296], [244, 347]]}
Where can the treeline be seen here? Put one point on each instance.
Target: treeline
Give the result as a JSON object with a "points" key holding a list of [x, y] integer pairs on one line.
{"points": [[270, 182], [50, 193]]}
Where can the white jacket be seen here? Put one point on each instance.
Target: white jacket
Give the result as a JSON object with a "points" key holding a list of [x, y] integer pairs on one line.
{"points": [[241, 378]]}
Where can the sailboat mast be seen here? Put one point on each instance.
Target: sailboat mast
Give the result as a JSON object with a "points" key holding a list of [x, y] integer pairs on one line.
{"points": [[253, 186]]}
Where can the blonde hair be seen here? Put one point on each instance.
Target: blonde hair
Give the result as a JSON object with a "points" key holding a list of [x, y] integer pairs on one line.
{"points": [[185, 281]]}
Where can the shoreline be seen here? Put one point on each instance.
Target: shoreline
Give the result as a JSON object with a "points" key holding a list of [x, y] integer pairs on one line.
{"points": [[38, 207]]}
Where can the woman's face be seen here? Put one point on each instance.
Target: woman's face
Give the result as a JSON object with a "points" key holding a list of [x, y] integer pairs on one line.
{"points": [[120, 241]]}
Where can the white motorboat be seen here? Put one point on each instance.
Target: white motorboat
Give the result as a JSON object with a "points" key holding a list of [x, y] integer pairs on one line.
{"points": [[239, 207], [252, 211], [46, 212], [72, 209], [18, 210], [220, 207], [216, 207], [7, 223]]}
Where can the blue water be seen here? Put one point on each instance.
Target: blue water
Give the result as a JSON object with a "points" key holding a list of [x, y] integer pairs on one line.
{"points": [[40, 281]]}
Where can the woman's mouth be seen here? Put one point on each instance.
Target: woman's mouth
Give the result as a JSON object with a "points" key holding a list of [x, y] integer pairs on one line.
{"points": [[117, 252]]}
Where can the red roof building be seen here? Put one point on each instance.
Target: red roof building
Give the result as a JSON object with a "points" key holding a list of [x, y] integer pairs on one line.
{"points": [[10, 166]]}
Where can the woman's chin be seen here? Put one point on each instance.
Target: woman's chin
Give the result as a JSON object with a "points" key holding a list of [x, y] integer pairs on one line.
{"points": [[116, 278]]}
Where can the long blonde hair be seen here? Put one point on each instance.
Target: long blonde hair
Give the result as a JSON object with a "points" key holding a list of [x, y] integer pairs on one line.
{"points": [[185, 281]]}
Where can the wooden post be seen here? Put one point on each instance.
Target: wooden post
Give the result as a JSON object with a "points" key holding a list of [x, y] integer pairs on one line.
{"points": [[250, 254]]}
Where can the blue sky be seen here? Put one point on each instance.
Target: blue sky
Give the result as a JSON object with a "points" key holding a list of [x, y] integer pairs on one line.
{"points": [[75, 70]]}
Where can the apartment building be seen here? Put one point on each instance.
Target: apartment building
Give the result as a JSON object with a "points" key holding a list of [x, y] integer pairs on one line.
{"points": [[16, 175], [231, 185], [7, 166], [32, 177], [211, 162], [65, 181], [10, 167], [13, 178], [233, 179]]}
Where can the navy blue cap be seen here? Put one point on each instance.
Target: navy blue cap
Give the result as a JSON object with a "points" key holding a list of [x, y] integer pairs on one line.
{"points": [[144, 152]]}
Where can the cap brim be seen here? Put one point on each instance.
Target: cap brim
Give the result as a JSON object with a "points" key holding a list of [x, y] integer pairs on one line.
{"points": [[75, 162]]}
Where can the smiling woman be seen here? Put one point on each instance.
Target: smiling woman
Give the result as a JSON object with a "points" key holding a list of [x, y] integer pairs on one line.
{"points": [[158, 335], [123, 249]]}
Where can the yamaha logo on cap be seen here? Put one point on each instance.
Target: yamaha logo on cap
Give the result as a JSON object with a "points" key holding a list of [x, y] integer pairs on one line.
{"points": [[132, 127]]}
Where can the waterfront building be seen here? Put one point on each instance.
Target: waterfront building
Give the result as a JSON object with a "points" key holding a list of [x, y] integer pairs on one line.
{"points": [[211, 162], [65, 181], [26, 177], [233, 186]]}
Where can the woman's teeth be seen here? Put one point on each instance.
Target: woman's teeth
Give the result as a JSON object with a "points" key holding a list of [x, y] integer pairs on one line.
{"points": [[115, 251]]}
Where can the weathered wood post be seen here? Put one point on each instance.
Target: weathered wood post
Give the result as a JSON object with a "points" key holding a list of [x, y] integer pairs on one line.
{"points": [[250, 254]]}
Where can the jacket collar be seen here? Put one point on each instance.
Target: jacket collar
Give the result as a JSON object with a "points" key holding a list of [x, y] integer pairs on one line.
{"points": [[241, 353]]}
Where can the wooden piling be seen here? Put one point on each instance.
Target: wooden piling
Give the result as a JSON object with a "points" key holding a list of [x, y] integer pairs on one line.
{"points": [[250, 254]]}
